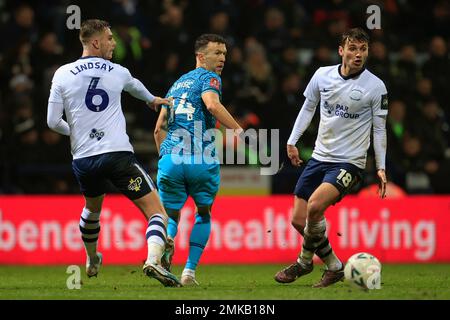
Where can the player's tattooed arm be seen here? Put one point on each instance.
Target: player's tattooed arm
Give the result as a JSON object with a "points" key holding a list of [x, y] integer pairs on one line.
{"points": [[215, 107]]}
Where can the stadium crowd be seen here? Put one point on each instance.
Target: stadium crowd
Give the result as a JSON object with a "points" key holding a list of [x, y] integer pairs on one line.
{"points": [[273, 49]]}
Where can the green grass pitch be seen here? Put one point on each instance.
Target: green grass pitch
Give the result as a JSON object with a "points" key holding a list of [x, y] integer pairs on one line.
{"points": [[232, 282]]}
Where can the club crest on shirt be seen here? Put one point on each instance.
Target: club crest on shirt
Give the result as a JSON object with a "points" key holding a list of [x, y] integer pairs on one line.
{"points": [[214, 83], [135, 184], [356, 94], [328, 107]]}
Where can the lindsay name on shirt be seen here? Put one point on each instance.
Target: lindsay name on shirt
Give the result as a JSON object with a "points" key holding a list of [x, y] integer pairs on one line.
{"points": [[91, 65]]}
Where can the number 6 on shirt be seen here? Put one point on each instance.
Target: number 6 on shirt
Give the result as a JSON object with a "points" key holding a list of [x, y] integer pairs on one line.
{"points": [[94, 91]]}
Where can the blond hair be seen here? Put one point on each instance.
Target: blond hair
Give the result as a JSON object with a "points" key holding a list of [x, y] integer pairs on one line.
{"points": [[91, 27]]}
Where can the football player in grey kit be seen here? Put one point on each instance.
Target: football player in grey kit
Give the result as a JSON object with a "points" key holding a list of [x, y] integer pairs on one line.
{"points": [[88, 91], [352, 101]]}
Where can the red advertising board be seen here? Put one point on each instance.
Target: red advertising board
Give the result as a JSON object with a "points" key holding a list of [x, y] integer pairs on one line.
{"points": [[44, 230]]}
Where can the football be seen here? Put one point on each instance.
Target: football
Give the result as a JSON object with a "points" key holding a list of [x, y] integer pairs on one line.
{"points": [[363, 271]]}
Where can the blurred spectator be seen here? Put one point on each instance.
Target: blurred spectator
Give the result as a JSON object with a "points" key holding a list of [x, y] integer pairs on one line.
{"points": [[424, 92], [17, 61], [289, 62], [296, 19], [57, 169], [171, 72], [20, 93], [407, 19], [130, 11], [405, 70], [440, 22], [378, 62], [129, 45], [56, 145], [274, 35], [26, 152], [437, 68], [322, 57], [219, 23], [234, 74], [174, 36], [434, 135], [259, 85], [27, 148], [329, 20], [46, 57], [334, 10], [21, 27], [413, 162], [395, 128], [288, 101], [335, 28], [432, 129]]}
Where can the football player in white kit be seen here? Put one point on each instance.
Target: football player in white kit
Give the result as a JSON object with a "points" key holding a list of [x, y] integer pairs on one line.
{"points": [[352, 101], [88, 91]]}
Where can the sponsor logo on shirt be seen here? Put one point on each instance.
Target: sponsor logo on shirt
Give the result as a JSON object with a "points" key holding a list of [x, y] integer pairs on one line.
{"points": [[95, 134], [214, 83], [135, 184], [340, 110]]}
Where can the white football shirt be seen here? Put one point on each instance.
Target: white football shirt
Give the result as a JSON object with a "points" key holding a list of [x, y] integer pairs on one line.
{"points": [[90, 90], [347, 106]]}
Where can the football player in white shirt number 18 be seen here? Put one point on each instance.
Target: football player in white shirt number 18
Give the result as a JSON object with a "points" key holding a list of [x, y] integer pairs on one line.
{"points": [[352, 101], [88, 91]]}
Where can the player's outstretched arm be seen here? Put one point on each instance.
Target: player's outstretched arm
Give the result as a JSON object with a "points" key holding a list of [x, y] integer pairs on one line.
{"points": [[158, 102], [216, 108], [139, 91], [379, 146], [302, 122], [160, 132]]}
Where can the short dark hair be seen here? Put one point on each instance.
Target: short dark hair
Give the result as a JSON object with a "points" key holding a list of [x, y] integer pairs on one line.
{"points": [[354, 34], [91, 27], [206, 38]]}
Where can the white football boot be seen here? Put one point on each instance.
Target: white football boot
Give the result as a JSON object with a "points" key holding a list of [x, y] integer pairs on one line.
{"points": [[92, 268], [188, 278]]}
